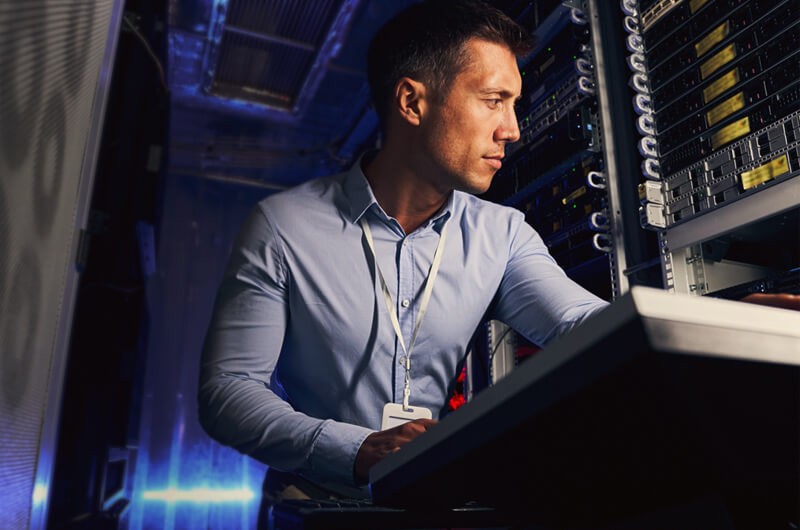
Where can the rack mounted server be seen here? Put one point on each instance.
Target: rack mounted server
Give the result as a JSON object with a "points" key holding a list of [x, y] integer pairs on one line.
{"points": [[720, 86]]}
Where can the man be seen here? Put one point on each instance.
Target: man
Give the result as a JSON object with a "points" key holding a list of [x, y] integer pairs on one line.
{"points": [[354, 297]]}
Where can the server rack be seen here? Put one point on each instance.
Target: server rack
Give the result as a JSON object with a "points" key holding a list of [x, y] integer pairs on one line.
{"points": [[718, 87], [689, 112], [570, 173], [556, 173]]}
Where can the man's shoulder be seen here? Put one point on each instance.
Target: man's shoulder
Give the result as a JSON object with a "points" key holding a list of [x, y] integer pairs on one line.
{"points": [[318, 188], [474, 206], [317, 194]]}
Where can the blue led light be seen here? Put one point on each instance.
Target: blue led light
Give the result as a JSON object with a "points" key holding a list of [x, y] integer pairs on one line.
{"points": [[200, 495], [40, 492]]}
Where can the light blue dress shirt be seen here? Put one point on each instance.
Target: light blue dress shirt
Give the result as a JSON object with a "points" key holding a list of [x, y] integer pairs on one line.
{"points": [[301, 355]]}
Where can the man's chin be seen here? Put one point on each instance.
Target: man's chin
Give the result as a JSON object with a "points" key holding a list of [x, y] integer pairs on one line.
{"points": [[476, 188], [473, 184]]}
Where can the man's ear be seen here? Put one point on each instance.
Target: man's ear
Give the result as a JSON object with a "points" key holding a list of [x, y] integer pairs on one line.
{"points": [[409, 98]]}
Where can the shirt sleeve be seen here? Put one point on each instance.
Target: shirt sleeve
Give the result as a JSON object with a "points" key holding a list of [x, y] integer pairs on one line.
{"points": [[535, 296], [237, 401]]}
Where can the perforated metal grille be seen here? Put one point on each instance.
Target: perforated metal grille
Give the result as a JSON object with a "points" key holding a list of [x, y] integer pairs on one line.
{"points": [[50, 57], [267, 49]]}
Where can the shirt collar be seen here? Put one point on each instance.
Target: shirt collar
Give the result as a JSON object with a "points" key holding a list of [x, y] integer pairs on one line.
{"points": [[360, 197], [358, 191]]}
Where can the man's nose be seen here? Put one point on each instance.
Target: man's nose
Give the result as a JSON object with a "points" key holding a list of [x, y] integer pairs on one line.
{"points": [[508, 131]]}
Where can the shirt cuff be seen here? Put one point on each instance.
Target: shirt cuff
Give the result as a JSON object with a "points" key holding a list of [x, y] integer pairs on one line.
{"points": [[333, 454]]}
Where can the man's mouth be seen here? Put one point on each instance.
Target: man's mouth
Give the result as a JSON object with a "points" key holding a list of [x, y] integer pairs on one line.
{"points": [[494, 161]]}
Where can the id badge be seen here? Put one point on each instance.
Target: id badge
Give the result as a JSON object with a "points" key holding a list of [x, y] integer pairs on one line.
{"points": [[394, 415]]}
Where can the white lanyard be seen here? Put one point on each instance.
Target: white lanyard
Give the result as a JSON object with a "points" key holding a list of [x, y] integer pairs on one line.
{"points": [[423, 306]]}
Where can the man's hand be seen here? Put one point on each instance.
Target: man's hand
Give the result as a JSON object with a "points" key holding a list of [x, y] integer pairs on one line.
{"points": [[379, 444], [785, 301]]}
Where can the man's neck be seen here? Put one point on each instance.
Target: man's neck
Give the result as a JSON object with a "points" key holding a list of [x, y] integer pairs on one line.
{"points": [[401, 192]]}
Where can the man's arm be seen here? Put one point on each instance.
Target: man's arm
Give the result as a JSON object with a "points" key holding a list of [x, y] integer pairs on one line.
{"points": [[536, 297], [238, 405]]}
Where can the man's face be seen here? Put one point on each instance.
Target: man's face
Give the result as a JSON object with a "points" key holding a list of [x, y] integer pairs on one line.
{"points": [[465, 135]]}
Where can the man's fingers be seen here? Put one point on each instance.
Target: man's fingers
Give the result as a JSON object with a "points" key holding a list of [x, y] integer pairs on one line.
{"points": [[414, 428], [785, 301], [379, 444]]}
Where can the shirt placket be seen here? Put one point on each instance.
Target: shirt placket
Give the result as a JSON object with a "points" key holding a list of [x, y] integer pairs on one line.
{"points": [[406, 287]]}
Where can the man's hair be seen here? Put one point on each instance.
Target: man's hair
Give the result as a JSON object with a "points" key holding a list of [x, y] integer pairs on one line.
{"points": [[427, 42]]}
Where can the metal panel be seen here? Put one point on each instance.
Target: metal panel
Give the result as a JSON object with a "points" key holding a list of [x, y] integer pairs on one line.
{"points": [[616, 133], [55, 56], [274, 53]]}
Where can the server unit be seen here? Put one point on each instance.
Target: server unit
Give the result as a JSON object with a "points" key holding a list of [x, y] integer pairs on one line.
{"points": [[718, 87]]}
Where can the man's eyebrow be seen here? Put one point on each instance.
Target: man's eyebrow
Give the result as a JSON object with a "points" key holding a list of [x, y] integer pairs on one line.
{"points": [[501, 92]]}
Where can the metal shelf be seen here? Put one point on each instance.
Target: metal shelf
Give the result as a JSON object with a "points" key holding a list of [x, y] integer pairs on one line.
{"points": [[773, 200]]}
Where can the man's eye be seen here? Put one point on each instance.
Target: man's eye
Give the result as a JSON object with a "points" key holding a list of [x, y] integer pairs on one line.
{"points": [[494, 103]]}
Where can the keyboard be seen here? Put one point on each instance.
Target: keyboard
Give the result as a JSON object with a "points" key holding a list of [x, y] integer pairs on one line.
{"points": [[356, 514]]}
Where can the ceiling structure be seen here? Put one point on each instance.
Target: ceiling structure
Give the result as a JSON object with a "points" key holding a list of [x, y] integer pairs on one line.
{"points": [[271, 92]]}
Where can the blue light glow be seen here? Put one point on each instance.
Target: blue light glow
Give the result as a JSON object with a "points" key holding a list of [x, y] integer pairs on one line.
{"points": [[40, 492], [200, 495]]}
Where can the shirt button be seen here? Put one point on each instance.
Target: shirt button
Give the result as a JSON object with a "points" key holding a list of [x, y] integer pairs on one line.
{"points": [[405, 303]]}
